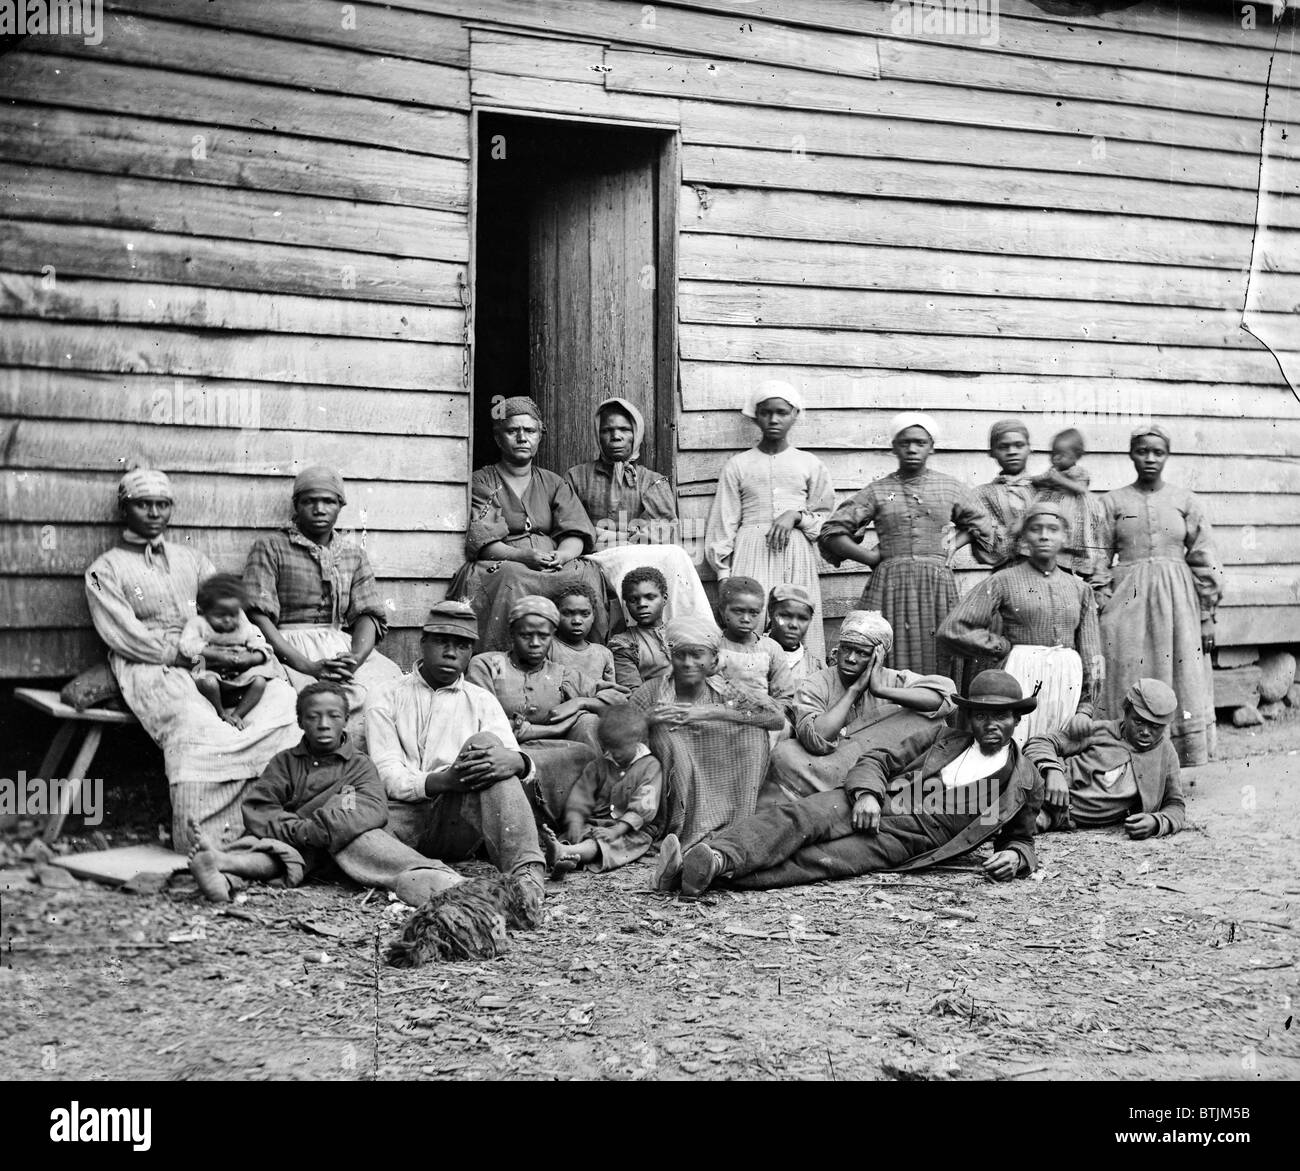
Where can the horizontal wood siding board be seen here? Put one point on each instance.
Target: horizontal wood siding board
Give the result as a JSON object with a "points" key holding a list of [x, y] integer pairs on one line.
{"points": [[294, 64], [253, 160], [58, 602], [743, 83], [144, 303], [104, 446], [820, 265], [1060, 400], [977, 355], [46, 193], [65, 550], [232, 502], [232, 354], [542, 95], [377, 28], [804, 215], [87, 250], [137, 90], [223, 403]]}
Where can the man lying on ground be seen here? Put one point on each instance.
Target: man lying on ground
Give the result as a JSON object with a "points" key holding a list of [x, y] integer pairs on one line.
{"points": [[1105, 772], [929, 795]]}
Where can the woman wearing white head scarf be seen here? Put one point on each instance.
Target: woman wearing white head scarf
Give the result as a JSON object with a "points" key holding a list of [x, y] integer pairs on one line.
{"points": [[634, 511], [141, 593], [771, 503]]}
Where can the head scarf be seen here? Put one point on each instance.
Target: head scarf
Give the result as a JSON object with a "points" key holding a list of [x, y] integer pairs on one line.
{"points": [[623, 407], [519, 404], [905, 419], [536, 605], [790, 593], [867, 628], [144, 484], [1044, 508], [1153, 700], [1150, 429], [772, 388], [1007, 427], [689, 631], [319, 478]]}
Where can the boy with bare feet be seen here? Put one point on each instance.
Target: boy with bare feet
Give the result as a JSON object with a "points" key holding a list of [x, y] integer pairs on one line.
{"points": [[615, 811], [317, 800], [220, 621]]}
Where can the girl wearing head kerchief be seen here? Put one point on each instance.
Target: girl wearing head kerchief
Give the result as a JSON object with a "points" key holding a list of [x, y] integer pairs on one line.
{"points": [[1066, 482], [313, 594], [709, 734], [552, 708], [528, 531], [771, 503], [141, 594], [913, 585], [855, 704], [634, 511], [1005, 496], [790, 611], [1158, 602], [1038, 622]]}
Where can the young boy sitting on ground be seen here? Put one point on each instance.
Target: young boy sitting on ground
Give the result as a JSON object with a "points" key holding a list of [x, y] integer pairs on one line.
{"points": [[1111, 771], [615, 811], [319, 799]]}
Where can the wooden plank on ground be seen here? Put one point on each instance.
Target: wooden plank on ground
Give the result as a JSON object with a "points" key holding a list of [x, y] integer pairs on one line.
{"points": [[234, 502], [249, 355], [42, 193]]}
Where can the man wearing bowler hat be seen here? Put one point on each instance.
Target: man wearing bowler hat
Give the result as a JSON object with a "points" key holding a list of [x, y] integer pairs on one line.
{"points": [[449, 760], [930, 795], [1112, 772]]}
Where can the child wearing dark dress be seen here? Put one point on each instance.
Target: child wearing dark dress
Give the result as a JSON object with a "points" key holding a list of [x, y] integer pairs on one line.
{"points": [[641, 652]]}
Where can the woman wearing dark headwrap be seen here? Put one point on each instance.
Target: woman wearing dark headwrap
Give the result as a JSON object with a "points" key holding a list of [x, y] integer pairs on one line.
{"points": [[528, 532], [634, 511], [141, 593], [1158, 602], [313, 595]]}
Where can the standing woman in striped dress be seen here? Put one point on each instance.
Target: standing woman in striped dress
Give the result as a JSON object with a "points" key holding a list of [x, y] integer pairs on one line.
{"points": [[912, 587], [771, 503]]}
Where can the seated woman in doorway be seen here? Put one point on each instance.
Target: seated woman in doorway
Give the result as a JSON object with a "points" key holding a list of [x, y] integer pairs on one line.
{"points": [[551, 708], [847, 708], [709, 735], [1050, 640], [528, 532], [141, 593], [312, 593], [634, 510]]}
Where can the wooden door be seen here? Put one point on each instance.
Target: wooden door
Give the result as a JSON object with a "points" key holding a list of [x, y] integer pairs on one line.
{"points": [[593, 297]]}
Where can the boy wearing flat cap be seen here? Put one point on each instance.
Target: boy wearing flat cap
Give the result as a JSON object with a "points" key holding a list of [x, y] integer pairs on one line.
{"points": [[449, 760], [927, 795], [1115, 771]]}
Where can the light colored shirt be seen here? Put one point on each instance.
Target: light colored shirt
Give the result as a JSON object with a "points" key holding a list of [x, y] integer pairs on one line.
{"points": [[413, 729], [971, 766]]}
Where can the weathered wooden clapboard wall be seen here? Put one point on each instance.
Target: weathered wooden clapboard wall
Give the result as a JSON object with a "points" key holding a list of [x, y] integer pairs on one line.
{"points": [[299, 283], [1058, 225]]}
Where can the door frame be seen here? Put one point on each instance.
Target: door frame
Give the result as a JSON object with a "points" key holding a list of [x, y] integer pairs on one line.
{"points": [[667, 199]]}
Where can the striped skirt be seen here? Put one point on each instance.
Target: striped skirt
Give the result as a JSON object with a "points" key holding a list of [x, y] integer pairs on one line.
{"points": [[915, 596], [796, 564], [1060, 671]]}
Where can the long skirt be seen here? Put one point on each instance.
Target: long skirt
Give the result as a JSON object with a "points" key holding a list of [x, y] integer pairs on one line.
{"points": [[208, 762], [1060, 671], [324, 642], [915, 596], [686, 596], [796, 564], [1151, 628], [493, 587]]}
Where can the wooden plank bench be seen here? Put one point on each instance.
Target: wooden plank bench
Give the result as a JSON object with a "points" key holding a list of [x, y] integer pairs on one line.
{"points": [[90, 723]]}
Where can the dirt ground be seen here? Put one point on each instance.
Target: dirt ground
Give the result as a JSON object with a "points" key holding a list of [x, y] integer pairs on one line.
{"points": [[1173, 958]]}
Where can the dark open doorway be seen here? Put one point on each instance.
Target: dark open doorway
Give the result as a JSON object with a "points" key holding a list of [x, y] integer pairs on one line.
{"points": [[575, 262]]}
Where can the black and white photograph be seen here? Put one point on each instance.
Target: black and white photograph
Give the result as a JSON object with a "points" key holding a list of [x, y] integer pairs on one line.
{"points": [[705, 541]]}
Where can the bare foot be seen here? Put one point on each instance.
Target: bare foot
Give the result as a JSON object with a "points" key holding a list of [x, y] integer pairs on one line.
{"points": [[204, 865], [198, 837], [234, 721]]}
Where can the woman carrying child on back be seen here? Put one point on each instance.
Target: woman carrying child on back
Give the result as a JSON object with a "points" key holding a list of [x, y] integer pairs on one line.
{"points": [[1066, 484]]}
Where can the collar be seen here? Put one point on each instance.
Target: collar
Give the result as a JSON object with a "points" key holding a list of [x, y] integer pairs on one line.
{"points": [[345, 751], [296, 537], [641, 752], [1003, 478], [149, 549], [421, 681], [604, 467]]}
